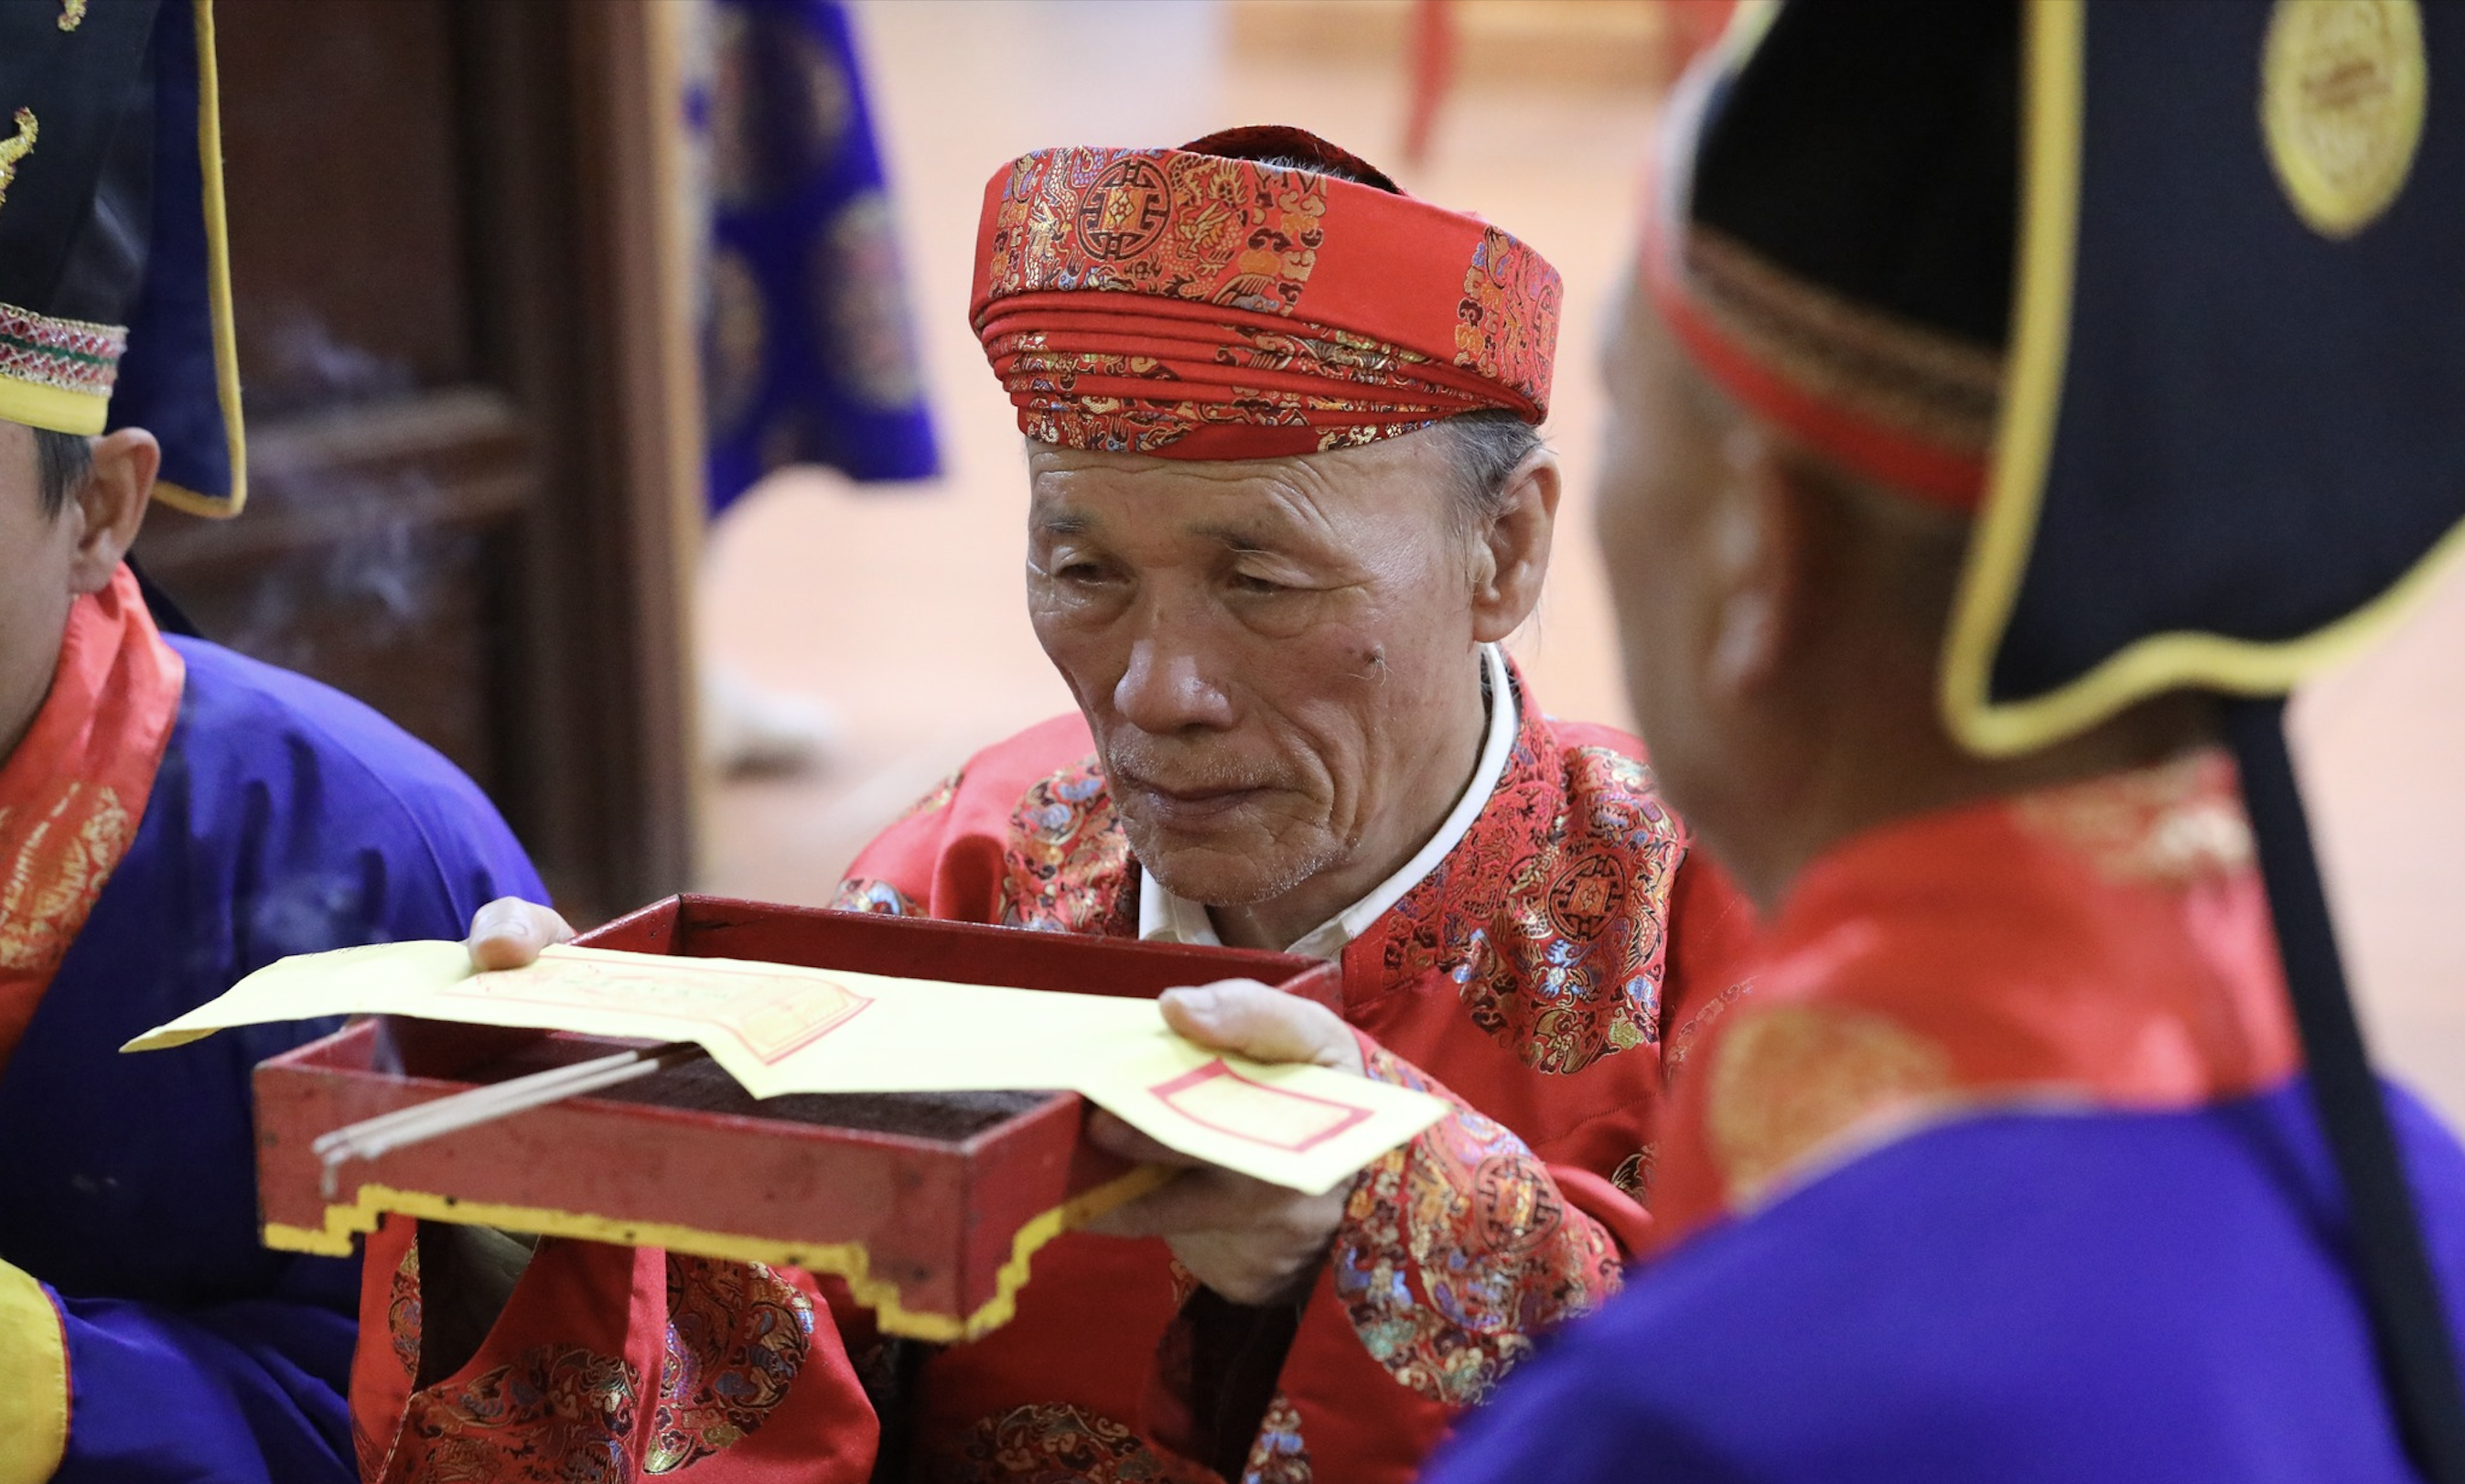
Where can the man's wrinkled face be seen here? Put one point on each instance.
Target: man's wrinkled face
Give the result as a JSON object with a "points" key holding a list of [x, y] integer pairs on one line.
{"points": [[1663, 468], [37, 552], [1272, 654]]}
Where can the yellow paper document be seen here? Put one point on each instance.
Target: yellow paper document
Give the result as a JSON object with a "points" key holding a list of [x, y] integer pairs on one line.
{"points": [[779, 1028]]}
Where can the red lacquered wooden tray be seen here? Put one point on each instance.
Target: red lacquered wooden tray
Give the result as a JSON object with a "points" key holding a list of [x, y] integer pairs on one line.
{"points": [[928, 1205]]}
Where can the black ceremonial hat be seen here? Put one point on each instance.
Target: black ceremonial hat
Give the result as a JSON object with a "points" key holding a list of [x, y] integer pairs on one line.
{"points": [[2233, 437], [2231, 450], [1831, 240], [115, 298]]}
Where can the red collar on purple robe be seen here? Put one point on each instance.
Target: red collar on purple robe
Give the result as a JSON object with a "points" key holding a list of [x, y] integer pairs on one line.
{"points": [[72, 792], [1551, 916], [2097, 944]]}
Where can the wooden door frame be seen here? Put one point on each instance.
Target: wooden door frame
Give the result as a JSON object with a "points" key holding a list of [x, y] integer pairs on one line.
{"points": [[575, 154]]}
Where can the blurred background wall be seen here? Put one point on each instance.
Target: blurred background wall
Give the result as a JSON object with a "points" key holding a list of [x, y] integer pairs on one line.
{"points": [[473, 427], [469, 394]]}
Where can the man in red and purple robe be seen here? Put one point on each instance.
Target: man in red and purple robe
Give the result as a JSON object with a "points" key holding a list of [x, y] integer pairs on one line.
{"points": [[2008, 1168], [1286, 503]]}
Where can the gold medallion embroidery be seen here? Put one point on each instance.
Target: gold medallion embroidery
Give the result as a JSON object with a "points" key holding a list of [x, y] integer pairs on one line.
{"points": [[16, 147], [72, 15], [2168, 825], [59, 869], [2342, 90], [1793, 1079]]}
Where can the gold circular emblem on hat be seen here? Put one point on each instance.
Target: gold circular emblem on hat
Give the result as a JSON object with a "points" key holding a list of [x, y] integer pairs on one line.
{"points": [[2341, 88]]}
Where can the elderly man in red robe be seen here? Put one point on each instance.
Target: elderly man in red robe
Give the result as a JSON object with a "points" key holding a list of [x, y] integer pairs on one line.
{"points": [[1286, 501]]}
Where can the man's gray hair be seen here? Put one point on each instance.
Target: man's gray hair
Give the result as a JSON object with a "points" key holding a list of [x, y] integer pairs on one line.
{"points": [[1486, 447]]}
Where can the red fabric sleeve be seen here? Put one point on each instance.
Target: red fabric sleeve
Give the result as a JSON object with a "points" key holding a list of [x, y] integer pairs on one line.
{"points": [[1627, 1222], [945, 857], [1460, 1248]]}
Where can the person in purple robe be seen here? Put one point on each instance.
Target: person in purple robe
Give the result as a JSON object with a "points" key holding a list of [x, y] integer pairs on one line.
{"points": [[173, 816], [2010, 1164]]}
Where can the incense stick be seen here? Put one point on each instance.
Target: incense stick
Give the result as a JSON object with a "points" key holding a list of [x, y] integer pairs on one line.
{"points": [[387, 1132]]}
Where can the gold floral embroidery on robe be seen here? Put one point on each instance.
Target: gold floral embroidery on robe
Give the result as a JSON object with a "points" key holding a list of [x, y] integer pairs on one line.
{"points": [[56, 871], [402, 1313], [1456, 1254], [1280, 1456], [1552, 916], [738, 1334], [866, 894], [2171, 824], [1056, 1444], [1789, 1080], [554, 1414], [1633, 1174], [1068, 867], [1681, 1045]]}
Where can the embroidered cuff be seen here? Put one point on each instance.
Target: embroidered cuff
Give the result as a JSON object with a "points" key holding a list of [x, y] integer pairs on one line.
{"points": [[1457, 1252]]}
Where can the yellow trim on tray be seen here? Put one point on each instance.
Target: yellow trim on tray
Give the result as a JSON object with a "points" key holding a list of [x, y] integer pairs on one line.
{"points": [[219, 293], [57, 409], [1998, 554], [846, 1260], [33, 1381]]}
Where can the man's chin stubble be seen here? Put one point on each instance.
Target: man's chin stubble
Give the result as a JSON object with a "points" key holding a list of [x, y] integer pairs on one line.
{"points": [[1194, 880]]}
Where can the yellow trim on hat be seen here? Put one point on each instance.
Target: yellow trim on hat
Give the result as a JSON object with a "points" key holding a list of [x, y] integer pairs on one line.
{"points": [[2007, 524], [33, 1381], [53, 409], [848, 1260], [209, 160]]}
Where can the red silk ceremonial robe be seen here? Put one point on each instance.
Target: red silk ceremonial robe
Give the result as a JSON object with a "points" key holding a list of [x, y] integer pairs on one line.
{"points": [[2098, 945], [610, 1364], [1534, 978]]}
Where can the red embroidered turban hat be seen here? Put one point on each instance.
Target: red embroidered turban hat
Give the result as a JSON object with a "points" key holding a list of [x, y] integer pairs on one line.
{"points": [[1241, 298], [1832, 229]]}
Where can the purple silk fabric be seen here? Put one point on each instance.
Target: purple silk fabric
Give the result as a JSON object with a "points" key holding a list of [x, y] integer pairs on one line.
{"points": [[2023, 1299], [287, 818]]}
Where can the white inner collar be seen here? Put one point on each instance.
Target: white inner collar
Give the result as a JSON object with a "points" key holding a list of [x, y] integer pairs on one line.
{"points": [[1164, 917]]}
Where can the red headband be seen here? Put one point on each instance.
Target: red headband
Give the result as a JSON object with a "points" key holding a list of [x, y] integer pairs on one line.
{"points": [[1180, 304], [1899, 403], [1806, 373]]}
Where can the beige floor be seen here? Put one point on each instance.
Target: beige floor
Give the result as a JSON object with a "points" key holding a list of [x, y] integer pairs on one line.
{"points": [[901, 607]]}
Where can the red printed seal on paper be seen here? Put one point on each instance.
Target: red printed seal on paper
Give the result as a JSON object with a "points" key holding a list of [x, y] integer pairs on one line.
{"points": [[1219, 1098]]}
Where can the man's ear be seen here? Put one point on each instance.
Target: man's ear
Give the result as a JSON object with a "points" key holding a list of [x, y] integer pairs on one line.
{"points": [[1758, 551], [1514, 554], [111, 504]]}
